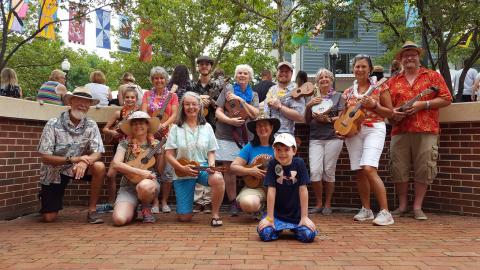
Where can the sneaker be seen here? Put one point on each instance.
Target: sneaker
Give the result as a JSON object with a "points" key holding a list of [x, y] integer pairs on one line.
{"points": [[315, 210], [147, 215], [364, 214], [197, 208], [233, 210], [155, 210], [104, 208], [418, 214], [166, 209], [383, 218], [207, 208], [94, 218], [327, 211]]}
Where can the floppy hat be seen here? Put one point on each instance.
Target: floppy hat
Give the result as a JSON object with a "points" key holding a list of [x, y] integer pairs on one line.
{"points": [[205, 58], [409, 45], [153, 122], [273, 121], [80, 92], [285, 63], [286, 139]]}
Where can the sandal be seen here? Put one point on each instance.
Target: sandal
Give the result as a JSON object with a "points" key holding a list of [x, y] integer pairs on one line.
{"points": [[216, 222]]}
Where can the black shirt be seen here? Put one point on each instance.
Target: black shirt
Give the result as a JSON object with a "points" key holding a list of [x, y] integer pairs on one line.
{"points": [[262, 89]]}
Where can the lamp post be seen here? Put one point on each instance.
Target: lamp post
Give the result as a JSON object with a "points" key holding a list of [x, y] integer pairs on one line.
{"points": [[66, 68], [333, 60]]}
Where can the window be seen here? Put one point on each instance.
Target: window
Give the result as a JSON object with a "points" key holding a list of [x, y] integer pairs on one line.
{"points": [[341, 28]]}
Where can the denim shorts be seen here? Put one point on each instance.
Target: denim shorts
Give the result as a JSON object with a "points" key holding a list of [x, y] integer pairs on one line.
{"points": [[184, 191]]}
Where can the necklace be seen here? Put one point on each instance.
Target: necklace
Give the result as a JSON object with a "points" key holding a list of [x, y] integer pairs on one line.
{"points": [[329, 95], [152, 105], [127, 111], [372, 80]]}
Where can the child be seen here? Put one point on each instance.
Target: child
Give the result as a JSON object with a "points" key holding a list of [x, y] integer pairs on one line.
{"points": [[287, 195]]}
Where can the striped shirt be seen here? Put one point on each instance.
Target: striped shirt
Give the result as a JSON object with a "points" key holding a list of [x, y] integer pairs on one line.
{"points": [[48, 94]]}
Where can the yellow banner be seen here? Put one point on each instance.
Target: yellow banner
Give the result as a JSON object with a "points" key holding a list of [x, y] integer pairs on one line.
{"points": [[49, 11]]}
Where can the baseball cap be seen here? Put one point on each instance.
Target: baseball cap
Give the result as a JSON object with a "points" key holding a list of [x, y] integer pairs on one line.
{"points": [[205, 58], [285, 139], [285, 63]]}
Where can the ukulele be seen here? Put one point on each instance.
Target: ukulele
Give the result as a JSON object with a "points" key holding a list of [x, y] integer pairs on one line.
{"points": [[252, 181], [234, 108], [196, 166], [303, 91], [144, 161], [350, 122], [433, 89], [160, 113]]}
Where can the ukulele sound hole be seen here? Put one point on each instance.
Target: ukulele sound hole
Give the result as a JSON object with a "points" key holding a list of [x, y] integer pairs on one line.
{"points": [[144, 160]]}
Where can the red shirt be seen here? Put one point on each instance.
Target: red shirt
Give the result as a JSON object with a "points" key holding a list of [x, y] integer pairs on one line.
{"points": [[425, 121], [168, 110]]}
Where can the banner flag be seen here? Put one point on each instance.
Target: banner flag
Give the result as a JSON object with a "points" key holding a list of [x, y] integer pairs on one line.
{"points": [[17, 15], [103, 29], [49, 14], [76, 27], [125, 40], [145, 48]]}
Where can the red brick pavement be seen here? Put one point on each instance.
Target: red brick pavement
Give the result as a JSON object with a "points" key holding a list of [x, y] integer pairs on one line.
{"points": [[443, 242]]}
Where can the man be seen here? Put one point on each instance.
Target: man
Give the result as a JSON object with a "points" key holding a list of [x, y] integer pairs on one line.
{"points": [[468, 83], [70, 148], [415, 131], [262, 87], [279, 102]]}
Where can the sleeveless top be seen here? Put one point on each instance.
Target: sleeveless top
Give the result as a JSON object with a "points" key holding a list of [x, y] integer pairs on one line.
{"points": [[10, 91], [47, 93]]}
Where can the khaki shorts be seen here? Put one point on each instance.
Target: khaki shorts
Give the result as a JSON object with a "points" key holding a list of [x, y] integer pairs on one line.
{"points": [[421, 149], [252, 191]]}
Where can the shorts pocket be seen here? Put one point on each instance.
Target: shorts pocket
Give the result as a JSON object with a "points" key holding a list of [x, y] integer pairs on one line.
{"points": [[434, 152], [432, 170]]}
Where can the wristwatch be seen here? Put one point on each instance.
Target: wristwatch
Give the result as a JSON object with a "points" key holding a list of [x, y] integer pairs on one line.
{"points": [[68, 160]]}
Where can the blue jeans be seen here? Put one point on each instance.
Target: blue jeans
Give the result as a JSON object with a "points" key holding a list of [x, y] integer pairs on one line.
{"points": [[302, 233]]}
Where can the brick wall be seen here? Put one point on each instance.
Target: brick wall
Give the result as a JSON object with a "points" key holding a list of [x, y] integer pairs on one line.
{"points": [[456, 189]]}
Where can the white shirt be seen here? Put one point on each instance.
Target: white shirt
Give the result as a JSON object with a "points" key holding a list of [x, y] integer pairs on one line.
{"points": [[467, 83], [100, 92]]}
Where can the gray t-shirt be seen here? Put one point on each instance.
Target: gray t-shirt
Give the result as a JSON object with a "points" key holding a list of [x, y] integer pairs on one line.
{"points": [[224, 131], [325, 131]]}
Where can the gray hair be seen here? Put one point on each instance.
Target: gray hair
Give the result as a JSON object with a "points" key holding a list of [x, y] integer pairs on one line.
{"points": [[323, 71], [158, 71], [181, 117], [246, 67]]}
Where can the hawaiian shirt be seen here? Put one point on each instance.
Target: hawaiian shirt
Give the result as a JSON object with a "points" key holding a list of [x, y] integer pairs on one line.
{"points": [[401, 91], [59, 140], [371, 116], [284, 95]]}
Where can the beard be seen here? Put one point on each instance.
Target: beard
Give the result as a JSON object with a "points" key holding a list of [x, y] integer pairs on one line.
{"points": [[78, 114]]}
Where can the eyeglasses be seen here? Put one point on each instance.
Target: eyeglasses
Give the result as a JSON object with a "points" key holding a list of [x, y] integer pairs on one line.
{"points": [[361, 56]]}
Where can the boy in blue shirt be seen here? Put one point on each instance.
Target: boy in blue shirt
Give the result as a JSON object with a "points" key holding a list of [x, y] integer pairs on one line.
{"points": [[287, 195]]}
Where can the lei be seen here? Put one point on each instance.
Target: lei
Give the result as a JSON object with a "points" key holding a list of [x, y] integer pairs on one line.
{"points": [[152, 105], [329, 94], [127, 111], [373, 81]]}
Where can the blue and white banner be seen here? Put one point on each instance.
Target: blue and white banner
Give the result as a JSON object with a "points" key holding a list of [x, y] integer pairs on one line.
{"points": [[103, 29], [125, 29], [411, 14]]}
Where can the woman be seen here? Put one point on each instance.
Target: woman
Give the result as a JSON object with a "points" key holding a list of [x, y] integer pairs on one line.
{"points": [[98, 88], [325, 147], [53, 90], [192, 138], [231, 131], [302, 77], [116, 135], [181, 78], [128, 80], [138, 128], [257, 151], [9, 84], [154, 101], [365, 148]]}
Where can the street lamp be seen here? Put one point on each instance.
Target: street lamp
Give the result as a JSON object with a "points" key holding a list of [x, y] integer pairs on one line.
{"points": [[65, 67], [333, 60]]}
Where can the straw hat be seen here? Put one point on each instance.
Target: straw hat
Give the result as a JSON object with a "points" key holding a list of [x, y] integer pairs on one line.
{"points": [[409, 45], [252, 126], [154, 122], [80, 92]]}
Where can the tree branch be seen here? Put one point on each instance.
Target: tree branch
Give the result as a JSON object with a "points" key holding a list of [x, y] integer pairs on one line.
{"points": [[246, 7]]}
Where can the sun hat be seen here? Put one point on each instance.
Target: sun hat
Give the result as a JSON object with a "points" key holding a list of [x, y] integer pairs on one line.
{"points": [[252, 126], [409, 45], [80, 92], [153, 122], [285, 139]]}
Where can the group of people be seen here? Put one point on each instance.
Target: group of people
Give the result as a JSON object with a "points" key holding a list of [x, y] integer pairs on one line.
{"points": [[207, 133]]}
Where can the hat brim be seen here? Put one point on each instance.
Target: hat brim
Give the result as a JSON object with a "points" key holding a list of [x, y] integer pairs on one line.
{"points": [[289, 67], [153, 125], [252, 126], [420, 51], [210, 61], [68, 97]]}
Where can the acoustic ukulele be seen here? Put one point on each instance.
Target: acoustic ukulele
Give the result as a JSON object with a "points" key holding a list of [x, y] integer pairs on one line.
{"points": [[433, 89], [350, 122], [252, 181], [144, 161], [303, 91], [234, 108], [196, 166], [160, 113]]}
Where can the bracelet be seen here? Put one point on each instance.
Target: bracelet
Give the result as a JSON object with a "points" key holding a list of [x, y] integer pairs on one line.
{"points": [[427, 106], [269, 219]]}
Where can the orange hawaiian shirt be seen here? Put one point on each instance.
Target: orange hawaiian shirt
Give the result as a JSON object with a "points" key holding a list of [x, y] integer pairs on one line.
{"points": [[371, 116], [425, 121]]}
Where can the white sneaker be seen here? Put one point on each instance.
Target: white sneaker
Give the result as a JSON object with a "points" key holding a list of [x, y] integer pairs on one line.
{"points": [[383, 218], [364, 214]]}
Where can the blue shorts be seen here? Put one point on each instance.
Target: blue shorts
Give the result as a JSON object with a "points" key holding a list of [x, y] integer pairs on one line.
{"points": [[184, 191], [302, 233]]}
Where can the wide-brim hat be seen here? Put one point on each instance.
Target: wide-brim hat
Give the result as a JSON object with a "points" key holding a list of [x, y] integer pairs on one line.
{"points": [[252, 126], [409, 45], [80, 92], [153, 122], [205, 58]]}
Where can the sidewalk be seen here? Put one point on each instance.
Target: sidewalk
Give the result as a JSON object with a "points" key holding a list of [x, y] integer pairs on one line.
{"points": [[443, 242]]}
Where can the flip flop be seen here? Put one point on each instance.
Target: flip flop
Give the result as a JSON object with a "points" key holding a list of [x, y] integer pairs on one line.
{"points": [[216, 222]]}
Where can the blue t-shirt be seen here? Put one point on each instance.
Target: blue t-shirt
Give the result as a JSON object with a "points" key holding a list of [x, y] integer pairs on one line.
{"points": [[287, 180], [250, 153]]}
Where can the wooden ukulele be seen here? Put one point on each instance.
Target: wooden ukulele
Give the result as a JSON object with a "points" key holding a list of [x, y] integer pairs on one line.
{"points": [[144, 161], [350, 122], [252, 181], [303, 91], [433, 89], [196, 166], [160, 113], [234, 108]]}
